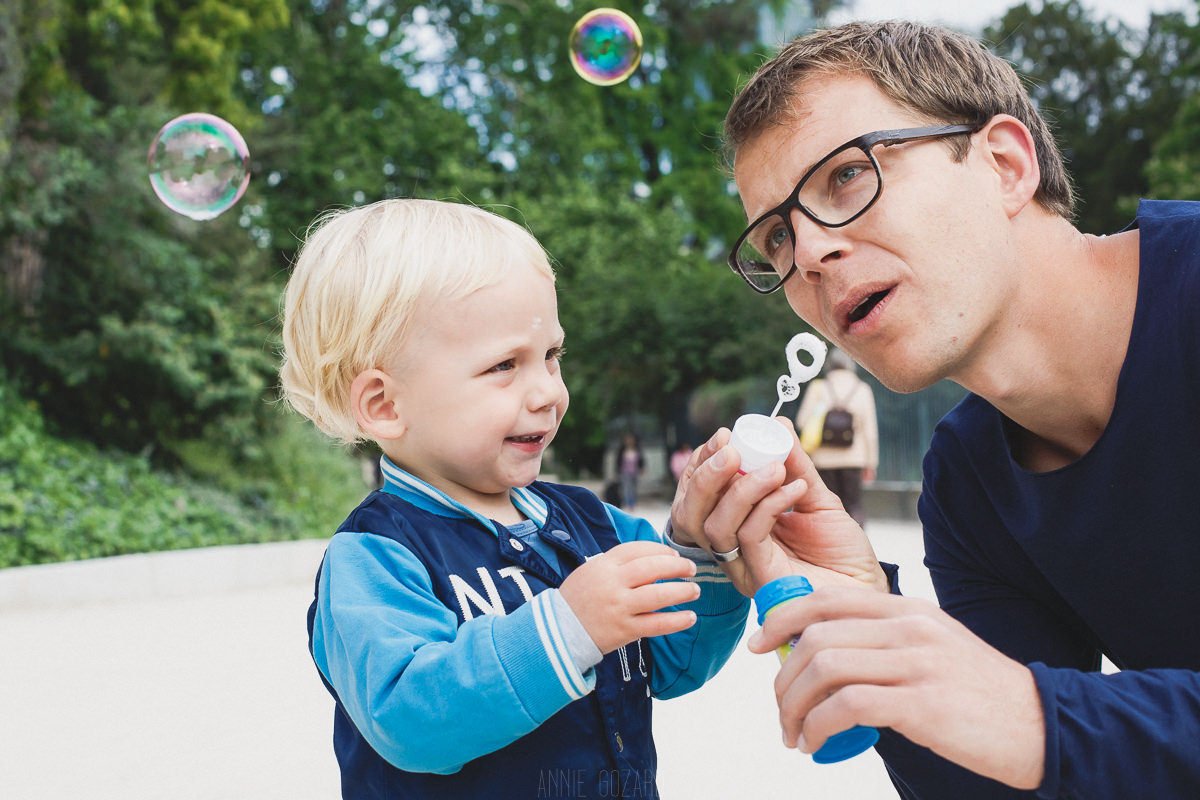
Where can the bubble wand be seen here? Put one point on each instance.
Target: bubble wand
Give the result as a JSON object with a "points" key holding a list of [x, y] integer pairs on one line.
{"points": [[788, 386], [761, 440]]}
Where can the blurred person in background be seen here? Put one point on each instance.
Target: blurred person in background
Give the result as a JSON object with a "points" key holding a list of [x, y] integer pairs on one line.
{"points": [[846, 457], [630, 463], [679, 460]]}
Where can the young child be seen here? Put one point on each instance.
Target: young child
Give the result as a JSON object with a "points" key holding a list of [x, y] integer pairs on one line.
{"points": [[483, 634]]}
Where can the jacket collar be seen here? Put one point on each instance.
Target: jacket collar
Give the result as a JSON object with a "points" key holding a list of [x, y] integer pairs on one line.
{"points": [[428, 498]]}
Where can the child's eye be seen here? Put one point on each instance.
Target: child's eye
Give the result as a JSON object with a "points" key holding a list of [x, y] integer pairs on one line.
{"points": [[504, 366], [556, 353]]}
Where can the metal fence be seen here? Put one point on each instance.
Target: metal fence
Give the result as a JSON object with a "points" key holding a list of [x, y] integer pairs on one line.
{"points": [[906, 423]]}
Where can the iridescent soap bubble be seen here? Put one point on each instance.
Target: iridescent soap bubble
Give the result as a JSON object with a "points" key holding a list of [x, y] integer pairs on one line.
{"points": [[199, 165], [606, 46]]}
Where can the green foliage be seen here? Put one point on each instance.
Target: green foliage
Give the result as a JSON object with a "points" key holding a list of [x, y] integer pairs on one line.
{"points": [[133, 326], [64, 500], [297, 468], [1109, 90], [339, 126], [715, 404], [648, 315], [155, 338], [626, 188], [184, 54], [1174, 168]]}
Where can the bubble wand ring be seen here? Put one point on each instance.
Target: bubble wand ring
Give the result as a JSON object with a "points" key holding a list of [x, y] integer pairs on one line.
{"points": [[760, 440], [788, 386]]}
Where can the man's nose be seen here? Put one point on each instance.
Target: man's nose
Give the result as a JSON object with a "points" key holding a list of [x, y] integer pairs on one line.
{"points": [[817, 248]]}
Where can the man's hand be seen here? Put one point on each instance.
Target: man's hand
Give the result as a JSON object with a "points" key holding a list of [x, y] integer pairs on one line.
{"points": [[866, 658], [782, 518]]}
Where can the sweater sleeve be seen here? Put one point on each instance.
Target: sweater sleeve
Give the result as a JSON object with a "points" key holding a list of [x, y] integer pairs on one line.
{"points": [[408, 673], [683, 661], [1132, 734]]}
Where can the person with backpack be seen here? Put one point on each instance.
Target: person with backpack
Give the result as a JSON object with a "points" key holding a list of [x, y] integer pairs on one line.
{"points": [[840, 431]]}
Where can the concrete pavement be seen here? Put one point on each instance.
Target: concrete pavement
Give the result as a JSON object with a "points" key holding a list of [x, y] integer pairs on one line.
{"points": [[185, 675]]}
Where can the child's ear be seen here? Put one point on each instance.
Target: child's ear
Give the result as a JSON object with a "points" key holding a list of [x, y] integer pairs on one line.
{"points": [[374, 400]]}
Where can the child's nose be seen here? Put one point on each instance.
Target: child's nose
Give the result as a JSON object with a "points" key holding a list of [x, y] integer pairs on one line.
{"points": [[548, 391]]}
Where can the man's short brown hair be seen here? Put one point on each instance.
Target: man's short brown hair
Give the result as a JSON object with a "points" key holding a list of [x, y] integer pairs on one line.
{"points": [[940, 74]]}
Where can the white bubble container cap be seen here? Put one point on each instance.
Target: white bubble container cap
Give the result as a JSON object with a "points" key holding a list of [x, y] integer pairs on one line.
{"points": [[760, 440]]}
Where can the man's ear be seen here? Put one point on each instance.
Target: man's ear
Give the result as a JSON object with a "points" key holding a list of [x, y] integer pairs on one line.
{"points": [[375, 402], [1012, 154]]}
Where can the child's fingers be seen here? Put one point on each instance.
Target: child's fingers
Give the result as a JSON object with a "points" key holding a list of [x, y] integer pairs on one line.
{"points": [[662, 623], [628, 551], [660, 595], [649, 569]]}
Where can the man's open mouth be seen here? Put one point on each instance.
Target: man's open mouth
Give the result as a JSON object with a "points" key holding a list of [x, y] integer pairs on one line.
{"points": [[862, 309]]}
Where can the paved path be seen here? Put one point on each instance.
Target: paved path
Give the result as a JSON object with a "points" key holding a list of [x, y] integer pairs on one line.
{"points": [[185, 675]]}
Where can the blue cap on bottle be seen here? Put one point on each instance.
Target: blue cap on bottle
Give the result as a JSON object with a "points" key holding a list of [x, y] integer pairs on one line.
{"points": [[840, 746], [774, 592], [846, 744]]}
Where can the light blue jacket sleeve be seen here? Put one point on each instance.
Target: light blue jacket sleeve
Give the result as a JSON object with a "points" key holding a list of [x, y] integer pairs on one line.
{"points": [[683, 661], [408, 674]]}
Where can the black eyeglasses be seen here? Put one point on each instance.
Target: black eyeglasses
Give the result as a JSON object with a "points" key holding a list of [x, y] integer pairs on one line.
{"points": [[836, 191]]}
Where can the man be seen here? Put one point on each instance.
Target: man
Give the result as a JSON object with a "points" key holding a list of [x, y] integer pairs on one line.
{"points": [[911, 204]]}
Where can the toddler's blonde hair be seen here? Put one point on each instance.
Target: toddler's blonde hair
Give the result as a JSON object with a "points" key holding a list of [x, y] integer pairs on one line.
{"points": [[361, 276]]}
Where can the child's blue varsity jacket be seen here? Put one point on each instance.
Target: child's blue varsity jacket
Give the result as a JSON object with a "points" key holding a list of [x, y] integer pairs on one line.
{"points": [[441, 639]]}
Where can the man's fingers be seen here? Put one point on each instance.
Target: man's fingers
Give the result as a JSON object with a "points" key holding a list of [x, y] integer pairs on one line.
{"points": [[708, 449], [809, 660], [833, 671], [876, 705], [791, 619], [727, 515], [705, 490], [758, 549]]}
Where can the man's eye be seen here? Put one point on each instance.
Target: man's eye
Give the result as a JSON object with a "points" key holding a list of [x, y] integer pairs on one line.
{"points": [[847, 173], [776, 238], [504, 366]]}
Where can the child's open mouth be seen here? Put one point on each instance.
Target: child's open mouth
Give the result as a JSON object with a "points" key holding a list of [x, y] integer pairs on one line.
{"points": [[528, 441]]}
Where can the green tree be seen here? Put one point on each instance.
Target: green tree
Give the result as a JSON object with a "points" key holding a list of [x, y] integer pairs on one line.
{"points": [[127, 323], [624, 185], [340, 125], [1174, 169], [1108, 89], [147, 330]]}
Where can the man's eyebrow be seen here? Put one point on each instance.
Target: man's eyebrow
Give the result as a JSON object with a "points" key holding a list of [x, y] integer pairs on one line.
{"points": [[795, 181]]}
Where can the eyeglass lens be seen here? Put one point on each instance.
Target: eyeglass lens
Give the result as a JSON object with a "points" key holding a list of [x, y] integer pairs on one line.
{"points": [[834, 193]]}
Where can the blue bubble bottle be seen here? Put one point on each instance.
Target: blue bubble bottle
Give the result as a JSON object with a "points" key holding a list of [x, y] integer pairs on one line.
{"points": [[840, 746]]}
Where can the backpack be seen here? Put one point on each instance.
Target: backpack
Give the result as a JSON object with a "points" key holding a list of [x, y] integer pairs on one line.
{"points": [[838, 428]]}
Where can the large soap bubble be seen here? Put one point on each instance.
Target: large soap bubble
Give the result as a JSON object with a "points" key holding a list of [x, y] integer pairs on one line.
{"points": [[199, 165], [606, 46]]}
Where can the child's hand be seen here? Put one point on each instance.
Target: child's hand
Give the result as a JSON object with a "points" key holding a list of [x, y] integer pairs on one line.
{"points": [[615, 595]]}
